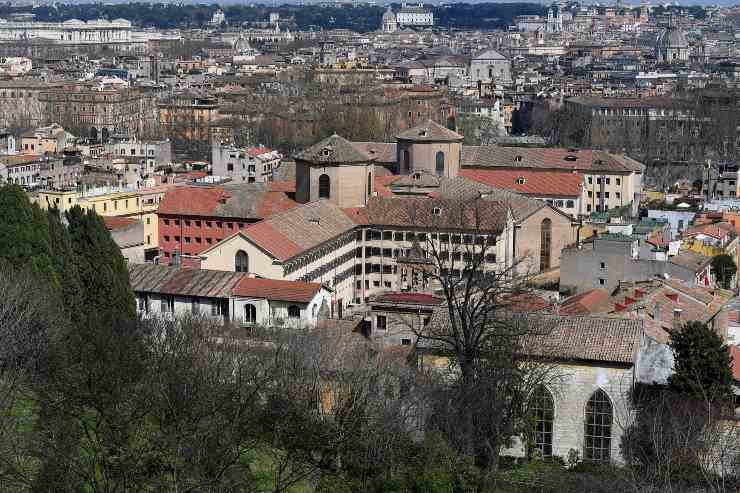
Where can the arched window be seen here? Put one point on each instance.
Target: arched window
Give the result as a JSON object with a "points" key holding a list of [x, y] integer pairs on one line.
{"points": [[406, 161], [369, 185], [324, 187], [598, 428], [294, 312], [440, 166], [250, 314], [545, 243], [542, 409], [241, 261]]}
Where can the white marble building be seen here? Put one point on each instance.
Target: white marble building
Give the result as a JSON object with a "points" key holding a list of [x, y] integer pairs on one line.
{"points": [[73, 31]]}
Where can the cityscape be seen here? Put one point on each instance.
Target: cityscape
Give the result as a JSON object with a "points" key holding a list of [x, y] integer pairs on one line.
{"points": [[364, 247]]}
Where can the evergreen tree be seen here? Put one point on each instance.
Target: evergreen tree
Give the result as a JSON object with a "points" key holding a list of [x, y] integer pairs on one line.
{"points": [[65, 264], [24, 235], [701, 363], [724, 269], [106, 290]]}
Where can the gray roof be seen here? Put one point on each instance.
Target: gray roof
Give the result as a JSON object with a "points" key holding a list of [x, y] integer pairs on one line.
{"points": [[430, 131], [570, 338], [489, 55], [465, 189], [153, 278], [332, 151]]}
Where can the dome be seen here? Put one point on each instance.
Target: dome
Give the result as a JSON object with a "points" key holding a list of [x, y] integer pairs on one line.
{"points": [[389, 16], [241, 45], [672, 38]]}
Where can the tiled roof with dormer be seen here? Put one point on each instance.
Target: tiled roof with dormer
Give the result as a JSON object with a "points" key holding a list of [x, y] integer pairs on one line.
{"points": [[334, 150], [430, 131]]}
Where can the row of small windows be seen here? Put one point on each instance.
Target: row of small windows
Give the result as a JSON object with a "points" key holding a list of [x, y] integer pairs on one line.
{"points": [[597, 432], [410, 236], [607, 181], [197, 223]]}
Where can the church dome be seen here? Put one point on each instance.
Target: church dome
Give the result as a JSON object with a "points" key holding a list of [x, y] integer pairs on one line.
{"points": [[389, 16], [241, 45], [672, 38]]}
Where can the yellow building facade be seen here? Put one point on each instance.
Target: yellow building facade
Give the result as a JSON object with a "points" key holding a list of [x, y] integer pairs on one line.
{"points": [[140, 204]]}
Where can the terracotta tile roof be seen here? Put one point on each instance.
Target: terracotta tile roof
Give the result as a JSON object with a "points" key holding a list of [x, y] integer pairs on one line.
{"points": [[529, 182], [587, 303], [243, 200], [735, 355], [382, 185], [408, 299], [719, 230], [552, 158], [448, 214], [430, 131], [465, 189], [691, 260], [265, 236], [192, 200], [154, 278], [334, 150], [383, 152], [272, 289], [289, 233], [657, 303], [570, 338], [119, 222], [281, 186]]}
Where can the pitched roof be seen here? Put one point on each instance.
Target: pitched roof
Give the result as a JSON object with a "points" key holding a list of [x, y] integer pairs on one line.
{"points": [[430, 131], [287, 234], [529, 182], [570, 338], [272, 289], [447, 214], [466, 189], [587, 303], [113, 223], [383, 152], [241, 200], [489, 54], [154, 278], [408, 299], [334, 150], [551, 158]]}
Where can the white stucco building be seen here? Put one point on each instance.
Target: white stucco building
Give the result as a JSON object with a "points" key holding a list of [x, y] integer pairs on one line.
{"points": [[73, 31]]}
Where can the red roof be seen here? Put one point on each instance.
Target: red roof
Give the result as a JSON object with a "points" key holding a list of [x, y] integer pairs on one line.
{"points": [[529, 182], [118, 222], [273, 289], [735, 355], [195, 201], [382, 184], [409, 298], [256, 151], [586, 303], [271, 240], [281, 186], [274, 203]]}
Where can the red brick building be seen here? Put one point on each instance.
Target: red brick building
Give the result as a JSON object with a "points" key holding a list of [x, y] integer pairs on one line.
{"points": [[194, 218]]}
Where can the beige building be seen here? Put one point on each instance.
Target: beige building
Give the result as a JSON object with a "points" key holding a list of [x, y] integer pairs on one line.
{"points": [[335, 170], [51, 139], [429, 148]]}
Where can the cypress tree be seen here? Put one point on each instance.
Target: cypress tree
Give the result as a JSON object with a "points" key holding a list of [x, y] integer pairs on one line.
{"points": [[24, 235], [65, 264], [701, 363], [103, 274]]}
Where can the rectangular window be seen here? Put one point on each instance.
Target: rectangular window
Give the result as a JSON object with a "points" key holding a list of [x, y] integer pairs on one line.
{"points": [[381, 322], [215, 308], [602, 281], [195, 306]]}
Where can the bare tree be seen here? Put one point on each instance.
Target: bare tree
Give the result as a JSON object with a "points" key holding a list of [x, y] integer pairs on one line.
{"points": [[484, 328]]}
